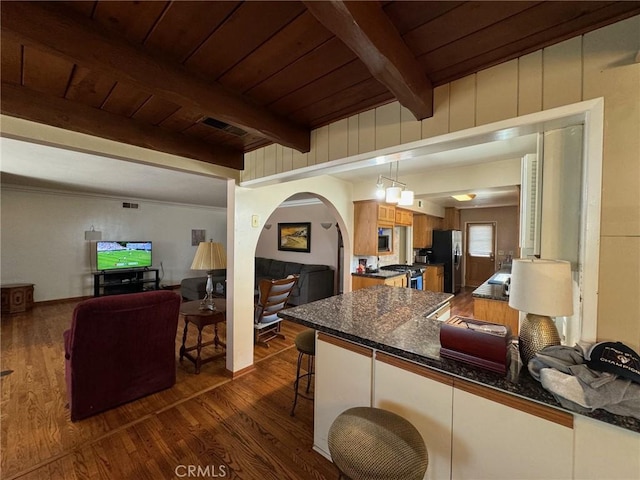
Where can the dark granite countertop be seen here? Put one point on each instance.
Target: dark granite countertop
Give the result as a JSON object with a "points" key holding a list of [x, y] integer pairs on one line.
{"points": [[384, 274], [393, 320], [493, 291]]}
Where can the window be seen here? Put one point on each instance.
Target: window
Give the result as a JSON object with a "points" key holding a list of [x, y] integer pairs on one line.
{"points": [[481, 239]]}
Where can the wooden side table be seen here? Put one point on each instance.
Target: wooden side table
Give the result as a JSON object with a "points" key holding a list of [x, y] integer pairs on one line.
{"points": [[16, 297], [201, 318]]}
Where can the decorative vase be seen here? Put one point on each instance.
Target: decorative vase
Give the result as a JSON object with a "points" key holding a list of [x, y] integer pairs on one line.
{"points": [[536, 333]]}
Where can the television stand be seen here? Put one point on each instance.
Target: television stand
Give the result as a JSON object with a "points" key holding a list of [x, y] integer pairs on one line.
{"points": [[116, 282]]}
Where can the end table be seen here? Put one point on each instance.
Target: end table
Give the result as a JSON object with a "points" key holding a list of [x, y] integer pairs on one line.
{"points": [[201, 318]]}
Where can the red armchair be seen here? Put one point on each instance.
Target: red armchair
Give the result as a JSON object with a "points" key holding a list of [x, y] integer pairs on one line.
{"points": [[120, 348]]}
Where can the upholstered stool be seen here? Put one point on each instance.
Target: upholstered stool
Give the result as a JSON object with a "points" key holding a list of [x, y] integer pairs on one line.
{"points": [[371, 443], [306, 345]]}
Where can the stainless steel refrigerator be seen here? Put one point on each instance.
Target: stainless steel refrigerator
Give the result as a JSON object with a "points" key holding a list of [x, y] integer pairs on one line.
{"points": [[447, 249]]}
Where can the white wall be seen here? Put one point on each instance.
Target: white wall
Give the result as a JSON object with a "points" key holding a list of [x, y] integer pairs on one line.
{"points": [[43, 241], [324, 243]]}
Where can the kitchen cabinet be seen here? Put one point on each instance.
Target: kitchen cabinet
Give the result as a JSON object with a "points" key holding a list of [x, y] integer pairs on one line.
{"points": [[404, 217], [496, 311], [358, 282], [502, 437], [386, 214], [343, 373], [423, 397], [368, 216], [423, 227], [595, 441], [451, 219], [433, 278]]}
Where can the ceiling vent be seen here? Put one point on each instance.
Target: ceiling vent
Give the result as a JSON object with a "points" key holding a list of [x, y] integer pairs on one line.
{"points": [[225, 127]]}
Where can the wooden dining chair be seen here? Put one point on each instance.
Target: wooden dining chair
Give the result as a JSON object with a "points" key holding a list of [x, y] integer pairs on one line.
{"points": [[273, 296]]}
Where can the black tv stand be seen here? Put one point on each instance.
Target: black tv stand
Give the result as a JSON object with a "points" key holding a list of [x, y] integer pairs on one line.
{"points": [[116, 282]]}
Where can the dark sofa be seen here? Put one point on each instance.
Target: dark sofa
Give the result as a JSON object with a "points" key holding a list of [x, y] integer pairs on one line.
{"points": [[314, 282]]}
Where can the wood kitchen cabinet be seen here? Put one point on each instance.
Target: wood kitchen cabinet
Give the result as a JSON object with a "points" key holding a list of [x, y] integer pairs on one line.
{"points": [[496, 311], [404, 217], [358, 282], [451, 219], [433, 278], [423, 227], [368, 216]]}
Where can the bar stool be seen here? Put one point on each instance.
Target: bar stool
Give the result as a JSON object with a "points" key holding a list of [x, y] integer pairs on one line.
{"points": [[306, 345], [371, 443]]}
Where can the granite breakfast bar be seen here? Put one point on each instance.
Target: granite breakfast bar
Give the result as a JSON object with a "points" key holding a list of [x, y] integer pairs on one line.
{"points": [[377, 347]]}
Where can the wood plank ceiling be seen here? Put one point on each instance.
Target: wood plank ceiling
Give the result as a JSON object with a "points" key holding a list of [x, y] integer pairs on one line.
{"points": [[211, 80]]}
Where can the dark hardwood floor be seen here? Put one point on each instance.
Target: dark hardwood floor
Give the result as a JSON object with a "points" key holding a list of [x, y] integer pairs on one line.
{"points": [[462, 303], [231, 428]]}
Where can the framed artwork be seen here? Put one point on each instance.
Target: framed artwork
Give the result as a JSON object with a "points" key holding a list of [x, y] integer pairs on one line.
{"points": [[197, 236], [294, 237]]}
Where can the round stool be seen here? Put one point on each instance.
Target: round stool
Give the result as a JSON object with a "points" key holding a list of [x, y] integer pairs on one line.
{"points": [[306, 345], [371, 443]]}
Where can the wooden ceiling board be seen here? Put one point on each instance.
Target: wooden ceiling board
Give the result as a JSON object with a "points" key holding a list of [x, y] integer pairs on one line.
{"points": [[44, 72], [125, 100], [82, 7], [354, 97], [133, 20], [408, 15], [243, 31], [11, 60], [155, 110], [329, 56], [468, 19], [294, 41], [89, 87], [550, 36], [196, 21], [372, 102], [350, 74], [543, 17]]}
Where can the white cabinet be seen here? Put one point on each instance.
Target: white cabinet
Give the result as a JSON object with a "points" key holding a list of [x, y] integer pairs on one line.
{"points": [[603, 451], [494, 441], [423, 397], [342, 380]]}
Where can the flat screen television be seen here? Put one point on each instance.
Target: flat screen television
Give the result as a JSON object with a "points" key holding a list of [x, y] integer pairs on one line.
{"points": [[112, 255]]}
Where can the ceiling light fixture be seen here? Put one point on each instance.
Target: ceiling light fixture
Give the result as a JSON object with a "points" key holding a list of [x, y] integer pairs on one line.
{"points": [[465, 197], [396, 193]]}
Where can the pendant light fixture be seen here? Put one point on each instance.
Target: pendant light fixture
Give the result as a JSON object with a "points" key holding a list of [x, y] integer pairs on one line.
{"points": [[397, 193]]}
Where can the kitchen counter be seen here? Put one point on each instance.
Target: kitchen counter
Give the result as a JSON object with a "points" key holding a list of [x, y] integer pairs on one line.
{"points": [[393, 320], [493, 291]]}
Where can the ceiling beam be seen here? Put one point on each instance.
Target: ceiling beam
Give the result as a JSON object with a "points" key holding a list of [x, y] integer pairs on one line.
{"points": [[366, 30], [38, 107], [86, 43]]}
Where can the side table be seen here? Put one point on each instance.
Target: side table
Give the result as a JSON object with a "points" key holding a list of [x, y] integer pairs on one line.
{"points": [[201, 318], [16, 297]]}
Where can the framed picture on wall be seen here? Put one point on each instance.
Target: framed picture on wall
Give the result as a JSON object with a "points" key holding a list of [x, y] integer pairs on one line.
{"points": [[294, 237], [197, 236]]}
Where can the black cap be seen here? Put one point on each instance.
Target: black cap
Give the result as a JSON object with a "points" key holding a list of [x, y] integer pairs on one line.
{"points": [[615, 357]]}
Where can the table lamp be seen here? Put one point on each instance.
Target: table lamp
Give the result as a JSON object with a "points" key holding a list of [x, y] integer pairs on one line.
{"points": [[209, 256], [542, 289]]}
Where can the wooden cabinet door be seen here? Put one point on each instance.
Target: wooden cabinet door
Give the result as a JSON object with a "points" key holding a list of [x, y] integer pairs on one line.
{"points": [[365, 235], [420, 231], [386, 214], [404, 217], [399, 281], [434, 278]]}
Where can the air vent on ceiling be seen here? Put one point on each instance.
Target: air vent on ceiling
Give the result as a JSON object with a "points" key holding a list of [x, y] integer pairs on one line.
{"points": [[225, 127], [129, 205]]}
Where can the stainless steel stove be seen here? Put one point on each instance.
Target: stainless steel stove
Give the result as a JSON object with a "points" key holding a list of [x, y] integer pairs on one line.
{"points": [[414, 274]]}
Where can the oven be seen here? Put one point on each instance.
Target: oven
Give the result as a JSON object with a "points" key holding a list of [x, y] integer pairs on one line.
{"points": [[414, 274]]}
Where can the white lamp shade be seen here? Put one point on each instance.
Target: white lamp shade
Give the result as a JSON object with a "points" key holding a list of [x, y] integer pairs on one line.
{"points": [[406, 198], [209, 256], [541, 287], [393, 194]]}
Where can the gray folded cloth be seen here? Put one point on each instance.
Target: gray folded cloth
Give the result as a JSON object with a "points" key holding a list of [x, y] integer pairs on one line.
{"points": [[562, 371]]}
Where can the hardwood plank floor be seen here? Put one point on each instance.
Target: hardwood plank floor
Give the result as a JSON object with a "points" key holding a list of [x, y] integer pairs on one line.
{"points": [[462, 303], [235, 429]]}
